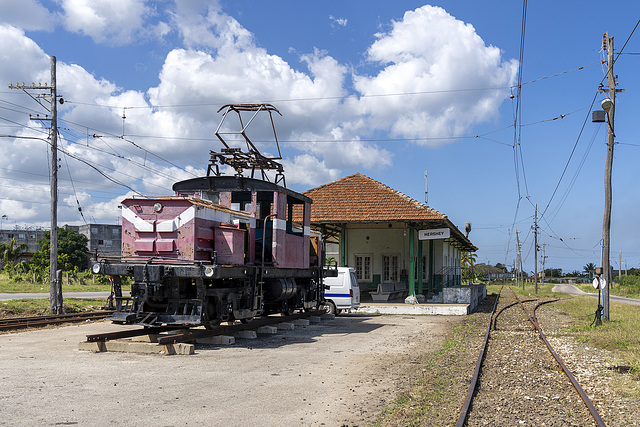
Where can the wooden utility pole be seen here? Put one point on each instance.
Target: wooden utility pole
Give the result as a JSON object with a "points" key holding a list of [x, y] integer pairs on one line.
{"points": [[55, 289], [606, 222], [544, 258], [535, 248], [55, 281], [519, 267]]}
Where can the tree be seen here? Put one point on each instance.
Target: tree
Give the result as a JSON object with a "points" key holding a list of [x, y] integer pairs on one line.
{"points": [[11, 251], [590, 268], [467, 261], [72, 250]]}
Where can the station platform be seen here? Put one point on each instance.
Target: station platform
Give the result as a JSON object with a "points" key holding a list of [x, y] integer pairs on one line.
{"points": [[400, 307]]}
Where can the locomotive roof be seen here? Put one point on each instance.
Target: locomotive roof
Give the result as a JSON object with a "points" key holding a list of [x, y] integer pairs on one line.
{"points": [[193, 201], [234, 183]]}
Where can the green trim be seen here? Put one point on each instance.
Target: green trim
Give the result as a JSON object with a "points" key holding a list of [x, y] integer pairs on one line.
{"points": [[412, 270], [431, 262], [420, 266], [343, 244]]}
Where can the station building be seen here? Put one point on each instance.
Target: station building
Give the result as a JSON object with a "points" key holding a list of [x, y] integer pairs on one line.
{"points": [[397, 245]]}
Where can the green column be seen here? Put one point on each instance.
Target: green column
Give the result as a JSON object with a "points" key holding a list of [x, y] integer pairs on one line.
{"points": [[431, 262], [412, 284], [343, 246], [420, 266]]}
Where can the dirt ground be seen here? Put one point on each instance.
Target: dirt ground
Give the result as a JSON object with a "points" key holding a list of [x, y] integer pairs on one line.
{"points": [[342, 372]]}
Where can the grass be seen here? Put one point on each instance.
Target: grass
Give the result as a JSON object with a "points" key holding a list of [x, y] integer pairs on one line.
{"points": [[11, 286], [40, 307], [619, 334]]}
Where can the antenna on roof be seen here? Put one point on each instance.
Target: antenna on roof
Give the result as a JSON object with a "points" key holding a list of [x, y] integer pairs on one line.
{"points": [[426, 190]]}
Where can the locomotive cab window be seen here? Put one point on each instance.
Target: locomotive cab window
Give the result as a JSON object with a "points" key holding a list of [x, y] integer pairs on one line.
{"points": [[212, 196], [295, 209]]}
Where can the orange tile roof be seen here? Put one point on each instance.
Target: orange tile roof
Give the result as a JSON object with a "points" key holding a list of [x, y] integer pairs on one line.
{"points": [[358, 198]]}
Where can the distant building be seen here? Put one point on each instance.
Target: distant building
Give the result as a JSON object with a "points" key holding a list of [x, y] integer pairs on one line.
{"points": [[106, 239], [27, 236]]}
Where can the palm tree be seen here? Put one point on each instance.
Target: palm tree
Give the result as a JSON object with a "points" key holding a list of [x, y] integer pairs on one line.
{"points": [[467, 259], [11, 251], [590, 268]]}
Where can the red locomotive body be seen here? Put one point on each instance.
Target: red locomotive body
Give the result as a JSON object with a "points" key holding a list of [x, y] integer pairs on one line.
{"points": [[221, 249]]}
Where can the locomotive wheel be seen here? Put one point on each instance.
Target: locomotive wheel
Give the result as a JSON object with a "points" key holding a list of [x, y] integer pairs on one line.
{"points": [[329, 307], [287, 310], [212, 324], [247, 320]]}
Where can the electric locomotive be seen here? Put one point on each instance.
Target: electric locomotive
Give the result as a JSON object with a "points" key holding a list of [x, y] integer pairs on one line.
{"points": [[222, 248]]}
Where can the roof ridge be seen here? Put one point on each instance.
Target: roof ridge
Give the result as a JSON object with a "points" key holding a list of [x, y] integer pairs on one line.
{"points": [[401, 194]]}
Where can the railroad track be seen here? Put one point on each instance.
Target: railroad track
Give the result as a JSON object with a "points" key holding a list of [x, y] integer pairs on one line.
{"points": [[519, 379], [37, 321]]}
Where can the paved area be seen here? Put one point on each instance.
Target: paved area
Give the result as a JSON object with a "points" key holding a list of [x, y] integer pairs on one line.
{"points": [[344, 371], [574, 290], [89, 295]]}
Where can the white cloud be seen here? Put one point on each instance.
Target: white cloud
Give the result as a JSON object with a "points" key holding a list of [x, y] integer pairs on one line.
{"points": [[111, 21], [27, 14], [342, 22], [431, 51], [321, 133], [202, 23]]}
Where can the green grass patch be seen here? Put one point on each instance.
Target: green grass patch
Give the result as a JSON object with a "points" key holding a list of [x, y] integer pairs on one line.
{"points": [[40, 307], [69, 284], [619, 334]]}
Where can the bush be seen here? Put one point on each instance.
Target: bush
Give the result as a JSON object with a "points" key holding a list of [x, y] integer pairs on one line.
{"points": [[629, 285]]}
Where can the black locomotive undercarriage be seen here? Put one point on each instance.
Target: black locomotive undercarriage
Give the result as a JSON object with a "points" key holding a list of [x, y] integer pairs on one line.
{"points": [[198, 294]]}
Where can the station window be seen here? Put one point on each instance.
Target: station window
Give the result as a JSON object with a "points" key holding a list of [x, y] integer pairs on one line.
{"points": [[390, 268], [363, 267]]}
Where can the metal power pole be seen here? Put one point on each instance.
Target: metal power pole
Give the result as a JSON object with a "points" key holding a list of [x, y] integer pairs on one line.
{"points": [[606, 222], [535, 248]]}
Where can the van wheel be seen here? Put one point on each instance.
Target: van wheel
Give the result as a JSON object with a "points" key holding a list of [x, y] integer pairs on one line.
{"points": [[329, 307]]}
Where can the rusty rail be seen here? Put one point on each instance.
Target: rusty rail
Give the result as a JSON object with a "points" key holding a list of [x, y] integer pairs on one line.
{"points": [[28, 322], [464, 412], [574, 382], [474, 381]]}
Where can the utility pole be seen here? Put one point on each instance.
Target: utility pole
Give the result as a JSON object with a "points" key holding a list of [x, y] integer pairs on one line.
{"points": [[619, 267], [55, 279], [544, 258], [55, 282], [535, 247], [519, 269], [609, 107]]}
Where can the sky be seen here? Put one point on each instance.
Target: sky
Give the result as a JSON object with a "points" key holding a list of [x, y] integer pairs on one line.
{"points": [[393, 90]]}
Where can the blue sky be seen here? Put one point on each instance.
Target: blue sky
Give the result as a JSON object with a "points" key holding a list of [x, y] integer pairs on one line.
{"points": [[388, 89]]}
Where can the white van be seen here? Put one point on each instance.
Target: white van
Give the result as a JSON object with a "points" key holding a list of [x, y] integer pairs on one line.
{"points": [[342, 292]]}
